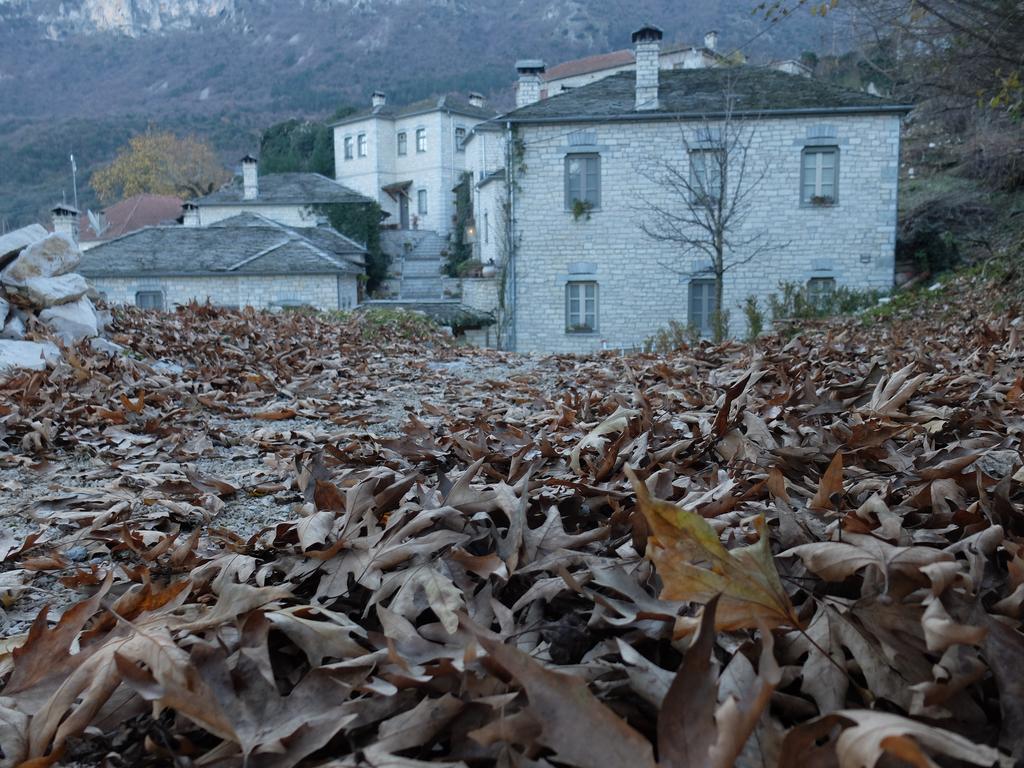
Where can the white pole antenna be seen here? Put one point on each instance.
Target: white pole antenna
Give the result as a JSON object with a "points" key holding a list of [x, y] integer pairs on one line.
{"points": [[74, 178]]}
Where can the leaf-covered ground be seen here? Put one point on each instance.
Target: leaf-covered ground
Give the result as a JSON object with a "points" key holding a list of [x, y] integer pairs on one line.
{"points": [[278, 541]]}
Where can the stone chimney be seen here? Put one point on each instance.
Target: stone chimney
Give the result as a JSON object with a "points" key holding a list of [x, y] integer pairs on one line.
{"points": [[379, 99], [711, 40], [190, 214], [65, 220], [647, 41], [528, 87], [250, 178], [476, 100]]}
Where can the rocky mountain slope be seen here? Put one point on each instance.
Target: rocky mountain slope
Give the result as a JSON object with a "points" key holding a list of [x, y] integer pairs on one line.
{"points": [[81, 75]]}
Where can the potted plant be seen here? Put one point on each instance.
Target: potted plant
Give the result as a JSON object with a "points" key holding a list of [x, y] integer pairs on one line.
{"points": [[822, 201], [581, 209]]}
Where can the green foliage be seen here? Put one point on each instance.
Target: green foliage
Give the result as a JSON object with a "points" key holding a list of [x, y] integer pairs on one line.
{"points": [[379, 323], [460, 251], [299, 146], [793, 303], [581, 209], [673, 337], [755, 318], [361, 223]]}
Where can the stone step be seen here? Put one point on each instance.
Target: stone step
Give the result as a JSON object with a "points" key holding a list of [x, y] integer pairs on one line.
{"points": [[421, 268]]}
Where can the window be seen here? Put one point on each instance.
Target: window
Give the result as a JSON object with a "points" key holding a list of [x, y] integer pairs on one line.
{"points": [[421, 202], [581, 307], [706, 166], [582, 181], [702, 306], [403, 143], [421, 139], [348, 147], [819, 292], [150, 300], [362, 145], [460, 139], [487, 227], [820, 176]]}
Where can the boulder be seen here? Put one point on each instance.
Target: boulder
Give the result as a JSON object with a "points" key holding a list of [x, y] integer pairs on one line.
{"points": [[29, 355], [15, 242], [54, 255], [51, 291], [105, 346], [72, 322], [15, 327]]}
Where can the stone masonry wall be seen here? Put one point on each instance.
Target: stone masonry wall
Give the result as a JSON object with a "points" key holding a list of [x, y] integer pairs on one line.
{"points": [[643, 283], [325, 292]]}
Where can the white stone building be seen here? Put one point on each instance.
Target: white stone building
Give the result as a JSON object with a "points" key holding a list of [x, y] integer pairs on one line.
{"points": [[580, 283], [287, 198], [408, 158], [246, 260]]}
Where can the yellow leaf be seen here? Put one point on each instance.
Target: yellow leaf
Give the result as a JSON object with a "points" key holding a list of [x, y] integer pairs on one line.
{"points": [[694, 566]]}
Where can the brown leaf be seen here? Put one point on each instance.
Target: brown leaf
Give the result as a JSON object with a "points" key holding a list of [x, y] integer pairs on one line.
{"points": [[580, 729]]}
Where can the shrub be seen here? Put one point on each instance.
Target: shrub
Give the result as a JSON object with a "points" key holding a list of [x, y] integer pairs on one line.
{"points": [[755, 318], [673, 337]]}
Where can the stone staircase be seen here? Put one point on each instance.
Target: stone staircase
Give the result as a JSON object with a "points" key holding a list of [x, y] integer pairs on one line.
{"points": [[420, 254]]}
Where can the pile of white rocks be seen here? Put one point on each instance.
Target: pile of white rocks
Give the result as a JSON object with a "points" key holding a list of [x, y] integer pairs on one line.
{"points": [[38, 283]]}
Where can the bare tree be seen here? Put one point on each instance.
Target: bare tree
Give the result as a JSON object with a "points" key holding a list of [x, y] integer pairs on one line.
{"points": [[704, 200]]}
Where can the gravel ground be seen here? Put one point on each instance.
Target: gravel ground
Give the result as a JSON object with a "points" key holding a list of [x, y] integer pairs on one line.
{"points": [[246, 462]]}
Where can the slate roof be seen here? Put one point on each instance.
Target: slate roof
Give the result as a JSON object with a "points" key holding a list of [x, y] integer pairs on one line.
{"points": [[447, 103], [236, 248], [601, 61], [286, 189], [699, 93], [326, 238], [131, 214]]}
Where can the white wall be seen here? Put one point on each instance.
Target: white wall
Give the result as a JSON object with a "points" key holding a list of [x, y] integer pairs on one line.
{"points": [[325, 292], [643, 283], [437, 170]]}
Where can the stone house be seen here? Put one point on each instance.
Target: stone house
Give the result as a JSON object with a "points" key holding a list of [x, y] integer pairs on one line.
{"points": [[245, 260], [580, 283], [287, 198], [408, 158]]}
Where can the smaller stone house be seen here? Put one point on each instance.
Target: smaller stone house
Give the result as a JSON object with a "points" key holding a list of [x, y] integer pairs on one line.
{"points": [[287, 198], [246, 260], [409, 158]]}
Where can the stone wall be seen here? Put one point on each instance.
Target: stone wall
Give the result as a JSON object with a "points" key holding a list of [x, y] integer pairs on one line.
{"points": [[643, 283], [481, 293], [325, 292]]}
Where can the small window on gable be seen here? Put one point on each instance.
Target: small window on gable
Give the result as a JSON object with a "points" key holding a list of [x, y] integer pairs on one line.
{"points": [[421, 139], [403, 144], [820, 291], [421, 202], [581, 307], [707, 174], [819, 178], [702, 306], [150, 300], [362, 145], [582, 181], [348, 147], [487, 227], [460, 139]]}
